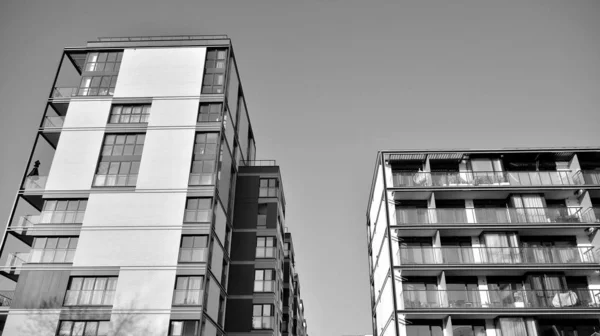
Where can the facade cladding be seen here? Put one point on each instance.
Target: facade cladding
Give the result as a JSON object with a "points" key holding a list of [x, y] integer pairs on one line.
{"points": [[485, 243], [143, 210]]}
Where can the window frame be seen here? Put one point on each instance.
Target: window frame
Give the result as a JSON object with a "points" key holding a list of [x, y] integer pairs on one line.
{"points": [[117, 165], [195, 239], [85, 324], [144, 113], [262, 317], [69, 250], [262, 242], [260, 278], [188, 290], [109, 287]]}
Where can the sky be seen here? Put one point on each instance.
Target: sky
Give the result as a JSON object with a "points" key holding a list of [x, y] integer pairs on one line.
{"points": [[328, 83]]}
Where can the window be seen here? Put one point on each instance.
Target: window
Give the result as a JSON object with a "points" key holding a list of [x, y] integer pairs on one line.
{"points": [[63, 211], [188, 290], [262, 316], [214, 70], [265, 247], [53, 250], [87, 328], [91, 291], [264, 280], [193, 249], [204, 159], [286, 249], [262, 215], [129, 114], [183, 328], [100, 73], [210, 112], [198, 210], [120, 160], [268, 187]]}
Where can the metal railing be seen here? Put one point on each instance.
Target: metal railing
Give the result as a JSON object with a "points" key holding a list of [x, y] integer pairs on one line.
{"points": [[187, 297], [496, 255], [258, 163], [588, 177], [488, 215], [162, 38], [471, 178], [64, 92], [6, 298], [502, 299], [15, 261], [53, 122], [35, 183]]}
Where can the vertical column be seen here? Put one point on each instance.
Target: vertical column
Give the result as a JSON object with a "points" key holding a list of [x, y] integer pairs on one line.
{"points": [[484, 295], [442, 288], [470, 209], [447, 326], [438, 256], [431, 209], [490, 328]]}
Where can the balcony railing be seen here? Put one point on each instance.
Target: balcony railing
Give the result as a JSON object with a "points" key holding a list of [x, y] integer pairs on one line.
{"points": [[35, 183], [64, 92], [15, 261], [469, 178], [502, 299], [187, 297], [592, 215], [6, 298], [496, 255], [53, 122], [259, 163], [26, 222], [588, 177], [263, 322], [488, 215]]}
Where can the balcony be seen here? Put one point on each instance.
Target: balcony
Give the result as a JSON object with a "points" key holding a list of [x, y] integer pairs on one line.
{"points": [[6, 298], [588, 177], [34, 183], [496, 255], [501, 299], [53, 122], [15, 261], [64, 92], [489, 215], [483, 179]]}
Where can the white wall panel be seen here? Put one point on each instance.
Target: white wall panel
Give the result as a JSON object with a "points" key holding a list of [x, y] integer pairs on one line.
{"points": [[87, 113], [140, 247], [31, 323], [161, 72], [216, 263], [75, 160], [144, 289], [174, 112], [212, 303], [166, 159]]}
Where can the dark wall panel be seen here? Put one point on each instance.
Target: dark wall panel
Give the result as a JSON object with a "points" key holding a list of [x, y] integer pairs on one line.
{"points": [[272, 212], [246, 202], [238, 317], [243, 246], [41, 289], [241, 280]]}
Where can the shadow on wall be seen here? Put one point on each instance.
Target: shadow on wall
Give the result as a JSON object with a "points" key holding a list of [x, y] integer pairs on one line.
{"points": [[123, 322]]}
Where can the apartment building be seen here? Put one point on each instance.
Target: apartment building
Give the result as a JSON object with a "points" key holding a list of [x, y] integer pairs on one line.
{"points": [[143, 210], [485, 242]]}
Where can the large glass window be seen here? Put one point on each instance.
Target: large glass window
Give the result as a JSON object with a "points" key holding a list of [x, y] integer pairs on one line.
{"points": [[91, 291], [262, 316], [268, 187], [100, 74], [198, 209], [63, 211], [188, 290], [129, 114], [204, 159], [424, 330], [264, 280], [193, 249], [120, 160], [265, 247], [214, 70], [183, 328], [262, 215], [53, 250], [80, 328], [210, 112]]}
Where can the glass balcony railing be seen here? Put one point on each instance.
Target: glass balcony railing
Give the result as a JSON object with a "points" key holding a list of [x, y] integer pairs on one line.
{"points": [[201, 179], [15, 261], [64, 92], [187, 297], [263, 322], [470, 178], [115, 180], [501, 299], [35, 183], [192, 255], [6, 298], [496, 255], [53, 122], [489, 215], [26, 222], [592, 215]]}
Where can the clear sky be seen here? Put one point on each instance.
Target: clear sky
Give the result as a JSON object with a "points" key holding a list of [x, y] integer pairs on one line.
{"points": [[328, 83]]}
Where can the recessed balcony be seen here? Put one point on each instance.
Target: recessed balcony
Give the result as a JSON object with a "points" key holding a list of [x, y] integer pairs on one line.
{"points": [[483, 179], [6, 298], [489, 215], [460, 255], [501, 299]]}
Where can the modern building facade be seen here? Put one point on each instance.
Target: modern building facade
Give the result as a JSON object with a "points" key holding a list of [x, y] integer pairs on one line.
{"points": [[485, 242], [143, 210]]}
